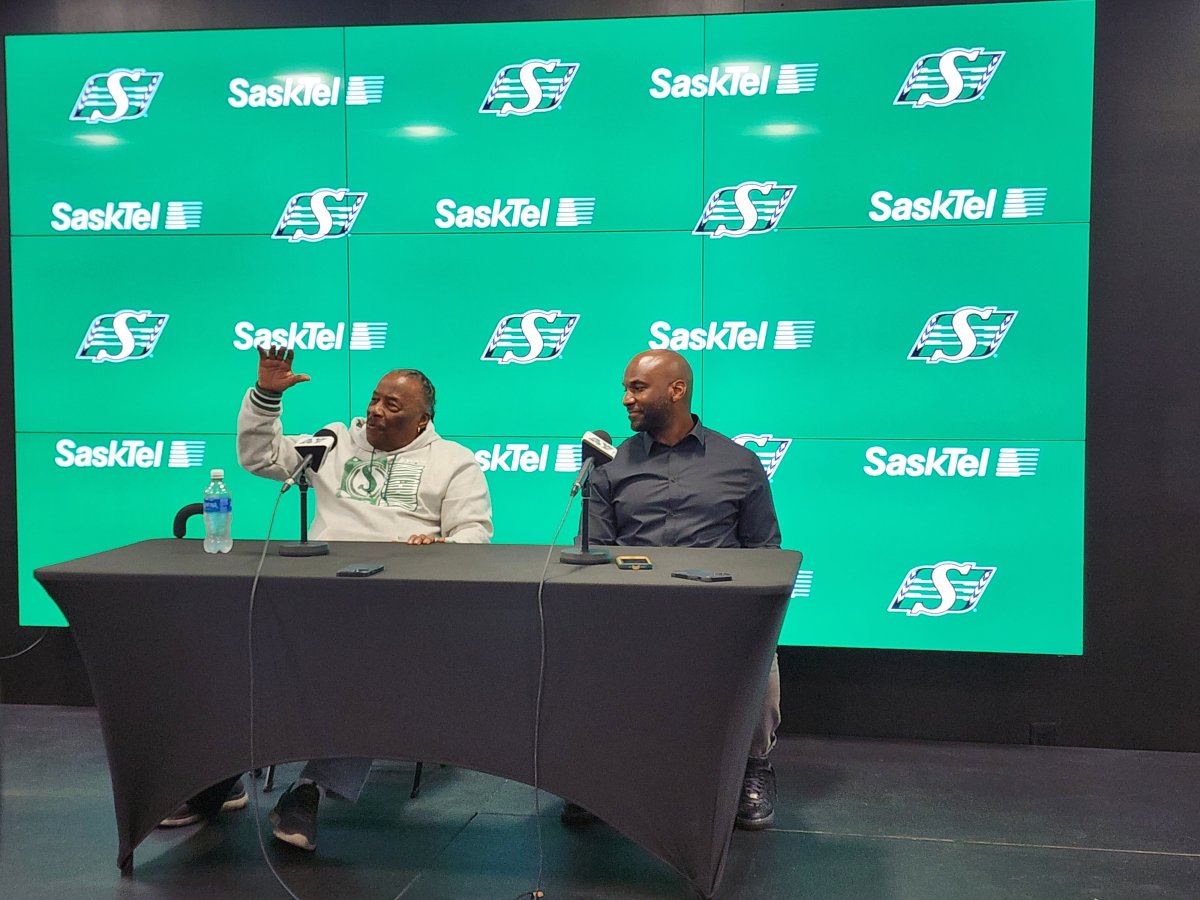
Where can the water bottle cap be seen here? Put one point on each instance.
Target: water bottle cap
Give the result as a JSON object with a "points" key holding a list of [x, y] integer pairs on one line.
{"points": [[218, 475]]}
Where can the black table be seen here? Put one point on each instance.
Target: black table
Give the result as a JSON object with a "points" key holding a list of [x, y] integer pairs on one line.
{"points": [[653, 685]]}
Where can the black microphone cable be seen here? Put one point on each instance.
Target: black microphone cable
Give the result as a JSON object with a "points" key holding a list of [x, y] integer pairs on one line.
{"points": [[40, 638], [250, 652], [537, 893]]}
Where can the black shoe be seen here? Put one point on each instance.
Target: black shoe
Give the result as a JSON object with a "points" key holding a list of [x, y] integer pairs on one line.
{"points": [[294, 818], [756, 808], [575, 816], [191, 811]]}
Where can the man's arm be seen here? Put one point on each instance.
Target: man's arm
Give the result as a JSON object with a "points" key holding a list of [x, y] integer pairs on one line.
{"points": [[262, 447], [758, 526], [467, 506], [602, 519]]}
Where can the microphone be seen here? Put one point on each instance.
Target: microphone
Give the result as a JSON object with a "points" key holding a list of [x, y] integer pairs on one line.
{"points": [[597, 450], [312, 452]]}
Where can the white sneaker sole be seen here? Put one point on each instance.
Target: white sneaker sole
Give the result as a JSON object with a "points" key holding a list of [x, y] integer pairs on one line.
{"points": [[296, 840], [180, 821], [235, 803]]}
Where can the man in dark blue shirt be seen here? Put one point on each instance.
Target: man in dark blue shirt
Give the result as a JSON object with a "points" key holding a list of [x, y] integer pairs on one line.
{"points": [[676, 483]]}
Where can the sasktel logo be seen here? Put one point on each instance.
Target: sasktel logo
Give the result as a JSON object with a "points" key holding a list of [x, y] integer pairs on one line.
{"points": [[964, 334], [953, 76], [953, 462], [116, 95], [516, 456], [769, 449], [517, 212], [788, 334], [305, 90], [734, 80], [945, 587], [537, 86], [538, 335], [320, 214], [755, 206], [802, 586], [312, 336], [122, 336], [128, 453], [127, 215], [958, 204]]}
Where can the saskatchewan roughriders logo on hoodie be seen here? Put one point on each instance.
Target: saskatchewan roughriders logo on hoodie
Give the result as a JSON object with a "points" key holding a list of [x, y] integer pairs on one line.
{"points": [[386, 481]]}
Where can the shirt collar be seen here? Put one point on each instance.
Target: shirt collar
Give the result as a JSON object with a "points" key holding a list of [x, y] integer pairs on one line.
{"points": [[697, 432]]}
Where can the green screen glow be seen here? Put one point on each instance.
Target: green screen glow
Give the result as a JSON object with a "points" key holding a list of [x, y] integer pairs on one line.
{"points": [[868, 231]]}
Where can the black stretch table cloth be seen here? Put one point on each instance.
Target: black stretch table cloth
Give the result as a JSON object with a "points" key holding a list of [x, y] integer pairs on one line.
{"points": [[653, 685]]}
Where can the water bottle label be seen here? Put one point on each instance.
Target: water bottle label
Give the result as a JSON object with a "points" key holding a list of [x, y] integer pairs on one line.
{"points": [[218, 504]]}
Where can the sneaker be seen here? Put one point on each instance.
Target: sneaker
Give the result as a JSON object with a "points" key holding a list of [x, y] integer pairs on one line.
{"points": [[294, 818], [190, 812], [184, 814], [575, 816], [756, 808], [237, 799]]}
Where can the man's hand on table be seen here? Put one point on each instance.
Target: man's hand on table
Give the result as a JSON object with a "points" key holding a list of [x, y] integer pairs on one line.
{"points": [[424, 539]]}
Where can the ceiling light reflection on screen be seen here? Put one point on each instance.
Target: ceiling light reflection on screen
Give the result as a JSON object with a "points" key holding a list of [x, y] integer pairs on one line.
{"points": [[424, 131], [96, 139], [782, 129]]}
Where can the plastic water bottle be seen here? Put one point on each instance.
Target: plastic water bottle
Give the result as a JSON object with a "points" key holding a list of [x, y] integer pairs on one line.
{"points": [[218, 513]]}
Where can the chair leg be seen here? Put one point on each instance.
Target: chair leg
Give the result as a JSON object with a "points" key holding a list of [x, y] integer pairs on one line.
{"points": [[416, 788], [270, 785]]}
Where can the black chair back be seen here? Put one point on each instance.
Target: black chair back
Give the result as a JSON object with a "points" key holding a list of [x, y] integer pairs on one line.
{"points": [[181, 518]]}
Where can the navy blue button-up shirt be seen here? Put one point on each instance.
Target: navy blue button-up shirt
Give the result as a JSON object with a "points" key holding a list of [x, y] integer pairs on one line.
{"points": [[705, 491]]}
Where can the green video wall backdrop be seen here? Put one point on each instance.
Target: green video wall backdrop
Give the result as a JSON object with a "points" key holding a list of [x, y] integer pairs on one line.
{"points": [[867, 230]]}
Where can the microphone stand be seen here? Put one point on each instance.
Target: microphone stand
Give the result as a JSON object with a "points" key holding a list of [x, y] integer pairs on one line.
{"points": [[304, 547], [584, 556]]}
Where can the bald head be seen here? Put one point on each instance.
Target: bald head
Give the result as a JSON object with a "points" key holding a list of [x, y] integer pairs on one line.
{"points": [[658, 395], [666, 364]]}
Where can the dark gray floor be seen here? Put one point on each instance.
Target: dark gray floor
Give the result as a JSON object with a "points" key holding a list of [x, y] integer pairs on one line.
{"points": [[868, 820]]}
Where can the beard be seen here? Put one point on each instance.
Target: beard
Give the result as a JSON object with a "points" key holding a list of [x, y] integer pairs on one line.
{"points": [[654, 416]]}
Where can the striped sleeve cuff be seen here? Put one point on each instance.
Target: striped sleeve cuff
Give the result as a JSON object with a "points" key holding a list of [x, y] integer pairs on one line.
{"points": [[267, 401]]}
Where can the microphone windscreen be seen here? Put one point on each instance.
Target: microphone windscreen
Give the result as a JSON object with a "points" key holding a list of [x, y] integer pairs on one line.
{"points": [[597, 446], [316, 447]]}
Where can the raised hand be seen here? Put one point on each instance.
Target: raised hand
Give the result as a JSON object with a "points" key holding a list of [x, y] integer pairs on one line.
{"points": [[275, 369]]}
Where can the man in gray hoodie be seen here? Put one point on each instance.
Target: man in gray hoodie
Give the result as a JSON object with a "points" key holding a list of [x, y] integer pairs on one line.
{"points": [[390, 477]]}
